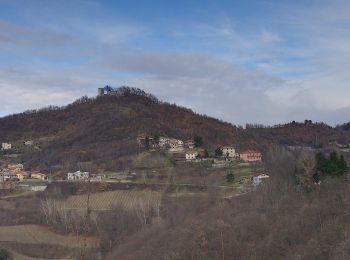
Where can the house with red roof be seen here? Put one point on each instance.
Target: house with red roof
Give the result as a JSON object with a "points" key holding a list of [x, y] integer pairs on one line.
{"points": [[250, 156]]}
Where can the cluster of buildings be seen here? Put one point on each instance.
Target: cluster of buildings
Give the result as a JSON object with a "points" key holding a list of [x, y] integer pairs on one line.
{"points": [[245, 156], [184, 150], [169, 143], [16, 172]]}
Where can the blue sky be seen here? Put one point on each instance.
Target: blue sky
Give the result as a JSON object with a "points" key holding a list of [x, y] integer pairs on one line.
{"points": [[256, 61]]}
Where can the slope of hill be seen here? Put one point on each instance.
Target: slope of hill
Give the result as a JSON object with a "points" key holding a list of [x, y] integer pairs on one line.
{"points": [[104, 130]]}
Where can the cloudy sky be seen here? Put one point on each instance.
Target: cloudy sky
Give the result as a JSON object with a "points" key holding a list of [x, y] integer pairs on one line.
{"points": [[256, 61]]}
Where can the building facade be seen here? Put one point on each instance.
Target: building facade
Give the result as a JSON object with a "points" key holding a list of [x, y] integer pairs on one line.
{"points": [[250, 156], [228, 151], [77, 176], [191, 155]]}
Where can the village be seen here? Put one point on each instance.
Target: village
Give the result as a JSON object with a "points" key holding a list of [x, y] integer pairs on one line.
{"points": [[181, 152], [225, 159]]}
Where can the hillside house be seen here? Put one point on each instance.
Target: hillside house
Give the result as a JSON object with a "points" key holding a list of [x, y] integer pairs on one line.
{"points": [[228, 151], [175, 143], [22, 175], [258, 178], [250, 156], [6, 146], [189, 144], [77, 176], [191, 155], [39, 176]]}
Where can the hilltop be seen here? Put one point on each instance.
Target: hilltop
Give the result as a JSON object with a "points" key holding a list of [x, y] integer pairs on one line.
{"points": [[103, 129]]}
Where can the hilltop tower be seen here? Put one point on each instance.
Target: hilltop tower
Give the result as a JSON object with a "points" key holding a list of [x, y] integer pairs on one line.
{"points": [[100, 91]]}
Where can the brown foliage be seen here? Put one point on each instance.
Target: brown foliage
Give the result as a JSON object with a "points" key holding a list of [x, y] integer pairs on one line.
{"points": [[104, 130]]}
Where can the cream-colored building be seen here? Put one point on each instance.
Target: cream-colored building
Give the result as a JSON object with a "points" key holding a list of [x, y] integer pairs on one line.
{"points": [[38, 175], [228, 151]]}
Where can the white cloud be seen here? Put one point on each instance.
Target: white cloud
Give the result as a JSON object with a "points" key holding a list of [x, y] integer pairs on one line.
{"points": [[292, 67]]}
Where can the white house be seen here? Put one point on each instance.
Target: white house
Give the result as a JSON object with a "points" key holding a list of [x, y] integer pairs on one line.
{"points": [[6, 146], [77, 176], [191, 155], [228, 151], [258, 178]]}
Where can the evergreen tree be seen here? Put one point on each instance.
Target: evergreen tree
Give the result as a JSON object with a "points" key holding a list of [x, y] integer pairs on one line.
{"points": [[333, 165], [198, 141], [218, 151]]}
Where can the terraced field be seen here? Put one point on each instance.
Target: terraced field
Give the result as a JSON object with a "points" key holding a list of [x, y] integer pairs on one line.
{"points": [[128, 199]]}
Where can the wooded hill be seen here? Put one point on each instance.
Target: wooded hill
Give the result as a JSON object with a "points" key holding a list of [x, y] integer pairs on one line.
{"points": [[104, 130]]}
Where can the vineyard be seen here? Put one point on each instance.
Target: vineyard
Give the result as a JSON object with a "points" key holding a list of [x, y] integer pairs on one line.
{"points": [[127, 199]]}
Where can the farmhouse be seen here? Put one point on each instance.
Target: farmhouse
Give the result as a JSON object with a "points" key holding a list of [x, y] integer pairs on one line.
{"points": [[38, 175], [191, 155], [175, 143], [77, 176], [250, 156], [6, 146], [22, 175], [228, 151]]}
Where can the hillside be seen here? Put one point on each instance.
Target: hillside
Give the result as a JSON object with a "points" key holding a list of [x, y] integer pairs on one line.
{"points": [[104, 130]]}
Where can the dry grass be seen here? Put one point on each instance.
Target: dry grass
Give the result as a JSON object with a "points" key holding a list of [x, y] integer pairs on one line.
{"points": [[34, 234]]}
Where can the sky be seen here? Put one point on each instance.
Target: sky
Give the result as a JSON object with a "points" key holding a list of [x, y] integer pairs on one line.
{"points": [[243, 61]]}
